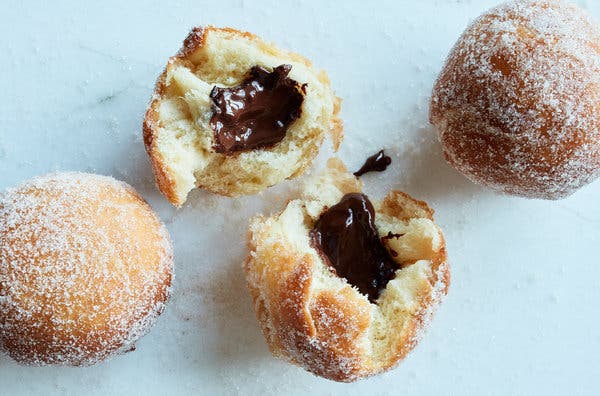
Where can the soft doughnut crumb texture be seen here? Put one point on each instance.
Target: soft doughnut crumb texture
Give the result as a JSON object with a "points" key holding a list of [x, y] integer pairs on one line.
{"points": [[317, 320], [517, 105], [177, 132], [85, 269]]}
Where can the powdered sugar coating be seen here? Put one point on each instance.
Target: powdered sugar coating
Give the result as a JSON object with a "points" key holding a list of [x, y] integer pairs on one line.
{"points": [[85, 269], [517, 105]]}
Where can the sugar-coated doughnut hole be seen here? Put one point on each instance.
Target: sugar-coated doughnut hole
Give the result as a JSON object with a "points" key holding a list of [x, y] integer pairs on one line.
{"points": [[517, 105], [85, 269]]}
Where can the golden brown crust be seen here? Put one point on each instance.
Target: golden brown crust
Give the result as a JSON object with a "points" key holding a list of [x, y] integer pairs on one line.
{"points": [[323, 329], [164, 181], [163, 172], [310, 328], [404, 207]]}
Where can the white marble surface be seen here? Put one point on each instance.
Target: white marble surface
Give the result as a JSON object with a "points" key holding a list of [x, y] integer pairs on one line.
{"points": [[522, 314]]}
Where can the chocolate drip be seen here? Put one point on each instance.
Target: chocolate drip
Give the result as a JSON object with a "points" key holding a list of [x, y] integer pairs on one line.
{"points": [[375, 163]]}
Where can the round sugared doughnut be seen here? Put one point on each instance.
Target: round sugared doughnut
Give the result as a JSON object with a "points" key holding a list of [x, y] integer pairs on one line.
{"points": [[517, 105], [85, 269]]}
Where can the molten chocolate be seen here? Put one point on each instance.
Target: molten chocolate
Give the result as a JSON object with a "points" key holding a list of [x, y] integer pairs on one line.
{"points": [[375, 163], [346, 236], [256, 113]]}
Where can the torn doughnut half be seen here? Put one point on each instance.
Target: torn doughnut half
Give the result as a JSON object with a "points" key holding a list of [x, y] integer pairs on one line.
{"points": [[234, 115], [314, 309]]}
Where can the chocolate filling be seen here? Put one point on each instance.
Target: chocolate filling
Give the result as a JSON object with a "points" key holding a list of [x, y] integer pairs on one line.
{"points": [[375, 163], [256, 113], [346, 236]]}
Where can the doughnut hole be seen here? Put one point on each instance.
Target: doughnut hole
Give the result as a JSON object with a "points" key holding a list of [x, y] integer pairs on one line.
{"points": [[85, 269], [516, 105]]}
